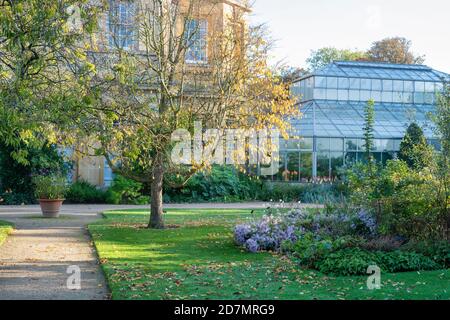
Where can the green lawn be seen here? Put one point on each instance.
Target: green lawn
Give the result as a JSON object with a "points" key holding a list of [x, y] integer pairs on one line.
{"points": [[199, 260], [5, 229]]}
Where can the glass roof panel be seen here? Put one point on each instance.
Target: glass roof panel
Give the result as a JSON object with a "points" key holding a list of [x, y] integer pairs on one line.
{"points": [[361, 69], [337, 119]]}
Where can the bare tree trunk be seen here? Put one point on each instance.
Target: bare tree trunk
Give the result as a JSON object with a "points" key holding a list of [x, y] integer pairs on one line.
{"points": [[156, 216]]}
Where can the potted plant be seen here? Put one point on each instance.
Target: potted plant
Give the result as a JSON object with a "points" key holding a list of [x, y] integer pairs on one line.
{"points": [[50, 191]]}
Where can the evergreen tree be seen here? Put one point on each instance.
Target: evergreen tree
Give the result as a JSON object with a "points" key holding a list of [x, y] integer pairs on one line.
{"points": [[369, 114], [414, 149]]}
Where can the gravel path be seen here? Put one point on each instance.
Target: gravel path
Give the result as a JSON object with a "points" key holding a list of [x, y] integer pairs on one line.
{"points": [[34, 260]]}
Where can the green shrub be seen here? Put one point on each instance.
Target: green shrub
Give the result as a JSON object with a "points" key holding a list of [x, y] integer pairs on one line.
{"points": [[306, 193], [126, 191], [85, 193], [16, 186], [10, 197], [309, 250], [407, 202], [438, 251], [50, 187], [220, 184], [355, 261], [383, 243]]}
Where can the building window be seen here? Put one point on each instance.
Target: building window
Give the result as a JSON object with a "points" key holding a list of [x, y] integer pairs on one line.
{"points": [[196, 35], [122, 24]]}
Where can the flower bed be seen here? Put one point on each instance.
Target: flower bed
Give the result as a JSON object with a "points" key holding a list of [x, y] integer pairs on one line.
{"points": [[340, 241]]}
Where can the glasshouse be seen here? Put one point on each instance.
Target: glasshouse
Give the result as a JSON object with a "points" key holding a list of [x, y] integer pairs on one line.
{"points": [[329, 134]]}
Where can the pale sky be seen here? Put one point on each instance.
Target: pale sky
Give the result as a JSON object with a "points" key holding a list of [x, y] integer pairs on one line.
{"points": [[300, 26]]}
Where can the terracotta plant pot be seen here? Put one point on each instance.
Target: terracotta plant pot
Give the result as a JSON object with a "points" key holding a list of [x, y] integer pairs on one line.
{"points": [[51, 208]]}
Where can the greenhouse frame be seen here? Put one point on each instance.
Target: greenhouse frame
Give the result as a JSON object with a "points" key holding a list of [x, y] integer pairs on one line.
{"points": [[329, 133]]}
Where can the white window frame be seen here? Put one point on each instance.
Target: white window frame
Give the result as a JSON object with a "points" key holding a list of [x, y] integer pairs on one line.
{"points": [[197, 50], [122, 25]]}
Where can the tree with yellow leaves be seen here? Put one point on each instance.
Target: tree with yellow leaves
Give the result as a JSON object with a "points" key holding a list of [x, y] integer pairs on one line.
{"points": [[183, 68]]}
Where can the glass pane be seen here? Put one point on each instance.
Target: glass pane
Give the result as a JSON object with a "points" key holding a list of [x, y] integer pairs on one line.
{"points": [[323, 165], [419, 86], [398, 97], [323, 144], [380, 144], [332, 82], [386, 97], [351, 158], [343, 95], [293, 167], [320, 94], [398, 85], [388, 85], [419, 97], [366, 84], [306, 166], [429, 98], [409, 86], [293, 144], [429, 86], [344, 83], [365, 95], [376, 85], [332, 94], [282, 167], [397, 144], [306, 143], [351, 144], [408, 97], [321, 82], [376, 95], [354, 95], [355, 83], [336, 144], [337, 161]]}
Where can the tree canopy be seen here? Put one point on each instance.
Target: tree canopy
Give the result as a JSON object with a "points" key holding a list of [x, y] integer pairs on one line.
{"points": [[394, 50], [321, 57], [37, 47], [389, 50]]}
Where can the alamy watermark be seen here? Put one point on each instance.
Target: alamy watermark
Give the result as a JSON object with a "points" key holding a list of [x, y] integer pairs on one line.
{"points": [[74, 280], [227, 147], [374, 280]]}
